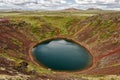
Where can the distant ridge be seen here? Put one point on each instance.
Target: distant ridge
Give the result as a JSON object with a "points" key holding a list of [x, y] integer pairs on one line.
{"points": [[71, 9], [94, 9]]}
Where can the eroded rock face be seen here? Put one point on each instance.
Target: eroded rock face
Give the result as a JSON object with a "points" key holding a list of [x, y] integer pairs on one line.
{"points": [[21, 67], [6, 63], [7, 66]]}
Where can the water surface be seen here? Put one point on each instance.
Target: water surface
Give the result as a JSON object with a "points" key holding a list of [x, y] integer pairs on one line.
{"points": [[60, 54]]}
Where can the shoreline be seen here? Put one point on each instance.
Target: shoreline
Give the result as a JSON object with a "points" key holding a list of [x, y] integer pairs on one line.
{"points": [[91, 65]]}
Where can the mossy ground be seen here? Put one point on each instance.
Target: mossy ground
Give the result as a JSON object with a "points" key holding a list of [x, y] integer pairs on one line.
{"points": [[89, 28]]}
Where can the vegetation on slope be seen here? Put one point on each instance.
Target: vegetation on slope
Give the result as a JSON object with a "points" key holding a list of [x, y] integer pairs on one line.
{"points": [[99, 33]]}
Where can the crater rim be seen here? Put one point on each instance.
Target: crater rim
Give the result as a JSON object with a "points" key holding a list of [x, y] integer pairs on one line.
{"points": [[32, 58]]}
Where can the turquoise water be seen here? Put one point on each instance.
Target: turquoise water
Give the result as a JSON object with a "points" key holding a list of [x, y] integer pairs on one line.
{"points": [[62, 54]]}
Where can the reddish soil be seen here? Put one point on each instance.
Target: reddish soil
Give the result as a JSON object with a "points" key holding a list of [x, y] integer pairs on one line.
{"points": [[105, 54]]}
